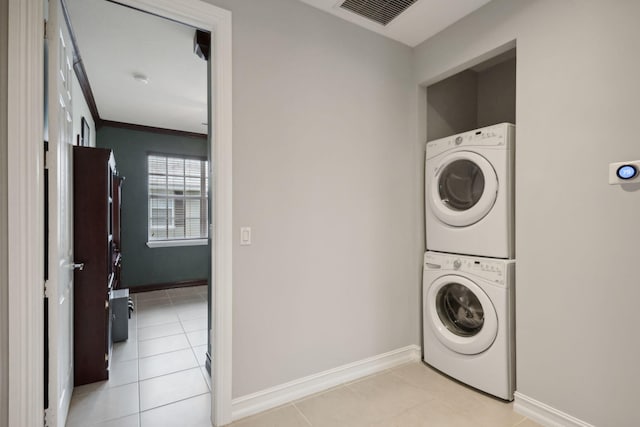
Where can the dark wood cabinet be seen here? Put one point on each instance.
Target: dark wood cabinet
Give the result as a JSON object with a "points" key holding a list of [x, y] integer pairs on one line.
{"points": [[116, 212], [96, 241]]}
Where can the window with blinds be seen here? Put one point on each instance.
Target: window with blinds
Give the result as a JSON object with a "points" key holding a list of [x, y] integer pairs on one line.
{"points": [[177, 198]]}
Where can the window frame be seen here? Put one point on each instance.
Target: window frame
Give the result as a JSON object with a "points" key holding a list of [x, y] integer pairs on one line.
{"points": [[172, 241]]}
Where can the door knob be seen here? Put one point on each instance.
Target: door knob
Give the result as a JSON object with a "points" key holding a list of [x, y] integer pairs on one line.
{"points": [[78, 266]]}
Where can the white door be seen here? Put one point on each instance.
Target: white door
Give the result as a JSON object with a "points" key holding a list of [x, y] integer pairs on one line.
{"points": [[60, 209], [463, 189], [460, 314]]}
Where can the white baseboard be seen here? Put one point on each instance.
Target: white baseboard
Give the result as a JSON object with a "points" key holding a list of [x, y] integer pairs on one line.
{"points": [[285, 393], [544, 414]]}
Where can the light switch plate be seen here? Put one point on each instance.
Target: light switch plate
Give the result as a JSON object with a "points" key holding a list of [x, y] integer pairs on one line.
{"points": [[245, 236]]}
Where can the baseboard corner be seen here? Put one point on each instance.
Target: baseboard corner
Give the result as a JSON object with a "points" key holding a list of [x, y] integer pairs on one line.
{"points": [[272, 397], [544, 414]]}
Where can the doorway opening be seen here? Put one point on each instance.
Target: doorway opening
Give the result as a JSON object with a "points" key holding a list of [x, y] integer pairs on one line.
{"points": [[155, 140], [25, 386]]}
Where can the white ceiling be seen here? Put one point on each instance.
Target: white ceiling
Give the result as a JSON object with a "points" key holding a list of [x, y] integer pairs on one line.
{"points": [[420, 21], [116, 42]]}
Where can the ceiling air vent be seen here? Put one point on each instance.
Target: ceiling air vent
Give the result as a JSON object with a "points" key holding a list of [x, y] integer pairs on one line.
{"points": [[380, 11]]}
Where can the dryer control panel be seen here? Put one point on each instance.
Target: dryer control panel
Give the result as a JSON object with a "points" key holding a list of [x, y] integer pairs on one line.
{"points": [[498, 136], [493, 270]]}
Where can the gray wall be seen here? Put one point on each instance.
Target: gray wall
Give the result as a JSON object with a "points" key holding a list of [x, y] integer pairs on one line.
{"points": [[452, 105], [4, 284], [80, 110], [472, 99], [143, 265], [496, 94], [325, 172], [577, 237]]}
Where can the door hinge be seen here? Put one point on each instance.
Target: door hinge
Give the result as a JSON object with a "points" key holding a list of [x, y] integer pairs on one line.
{"points": [[45, 30], [45, 290], [46, 153], [45, 421]]}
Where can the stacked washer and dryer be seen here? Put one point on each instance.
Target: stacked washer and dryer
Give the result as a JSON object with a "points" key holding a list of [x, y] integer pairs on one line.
{"points": [[469, 266]]}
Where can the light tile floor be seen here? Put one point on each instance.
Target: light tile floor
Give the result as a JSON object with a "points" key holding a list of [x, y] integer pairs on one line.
{"points": [[158, 379], [411, 395], [157, 376]]}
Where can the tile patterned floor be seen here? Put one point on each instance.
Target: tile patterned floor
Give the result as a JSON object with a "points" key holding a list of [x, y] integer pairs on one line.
{"points": [[157, 376], [411, 395], [158, 379]]}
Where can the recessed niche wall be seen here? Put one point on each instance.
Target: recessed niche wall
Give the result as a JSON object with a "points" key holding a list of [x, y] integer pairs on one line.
{"points": [[479, 96]]}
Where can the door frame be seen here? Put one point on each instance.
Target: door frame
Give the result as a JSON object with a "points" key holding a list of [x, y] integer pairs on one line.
{"points": [[25, 195]]}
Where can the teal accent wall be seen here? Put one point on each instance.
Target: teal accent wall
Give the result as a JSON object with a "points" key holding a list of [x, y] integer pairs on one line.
{"points": [[142, 265]]}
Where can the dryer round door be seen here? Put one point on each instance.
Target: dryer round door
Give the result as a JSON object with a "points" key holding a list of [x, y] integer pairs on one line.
{"points": [[464, 188], [461, 314]]}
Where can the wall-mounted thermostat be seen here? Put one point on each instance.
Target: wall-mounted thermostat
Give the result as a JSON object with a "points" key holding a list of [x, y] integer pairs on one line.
{"points": [[624, 172]]}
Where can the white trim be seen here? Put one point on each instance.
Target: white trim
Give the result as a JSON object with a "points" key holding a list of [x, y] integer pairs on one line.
{"points": [[206, 16], [279, 395], [25, 212], [172, 243], [222, 247], [544, 414], [4, 249]]}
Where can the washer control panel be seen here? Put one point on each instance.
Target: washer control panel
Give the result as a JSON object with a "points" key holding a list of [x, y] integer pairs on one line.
{"points": [[491, 136], [489, 269]]}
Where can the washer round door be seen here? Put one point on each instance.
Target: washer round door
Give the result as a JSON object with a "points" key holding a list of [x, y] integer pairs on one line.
{"points": [[461, 314], [463, 189]]}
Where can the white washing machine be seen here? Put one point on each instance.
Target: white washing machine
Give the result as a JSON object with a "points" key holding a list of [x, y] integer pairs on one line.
{"points": [[469, 192], [468, 315]]}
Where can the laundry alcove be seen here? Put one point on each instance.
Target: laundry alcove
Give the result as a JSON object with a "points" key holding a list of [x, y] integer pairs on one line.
{"points": [[479, 96]]}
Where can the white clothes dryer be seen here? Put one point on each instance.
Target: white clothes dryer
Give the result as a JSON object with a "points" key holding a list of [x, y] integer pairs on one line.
{"points": [[468, 315], [469, 193]]}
